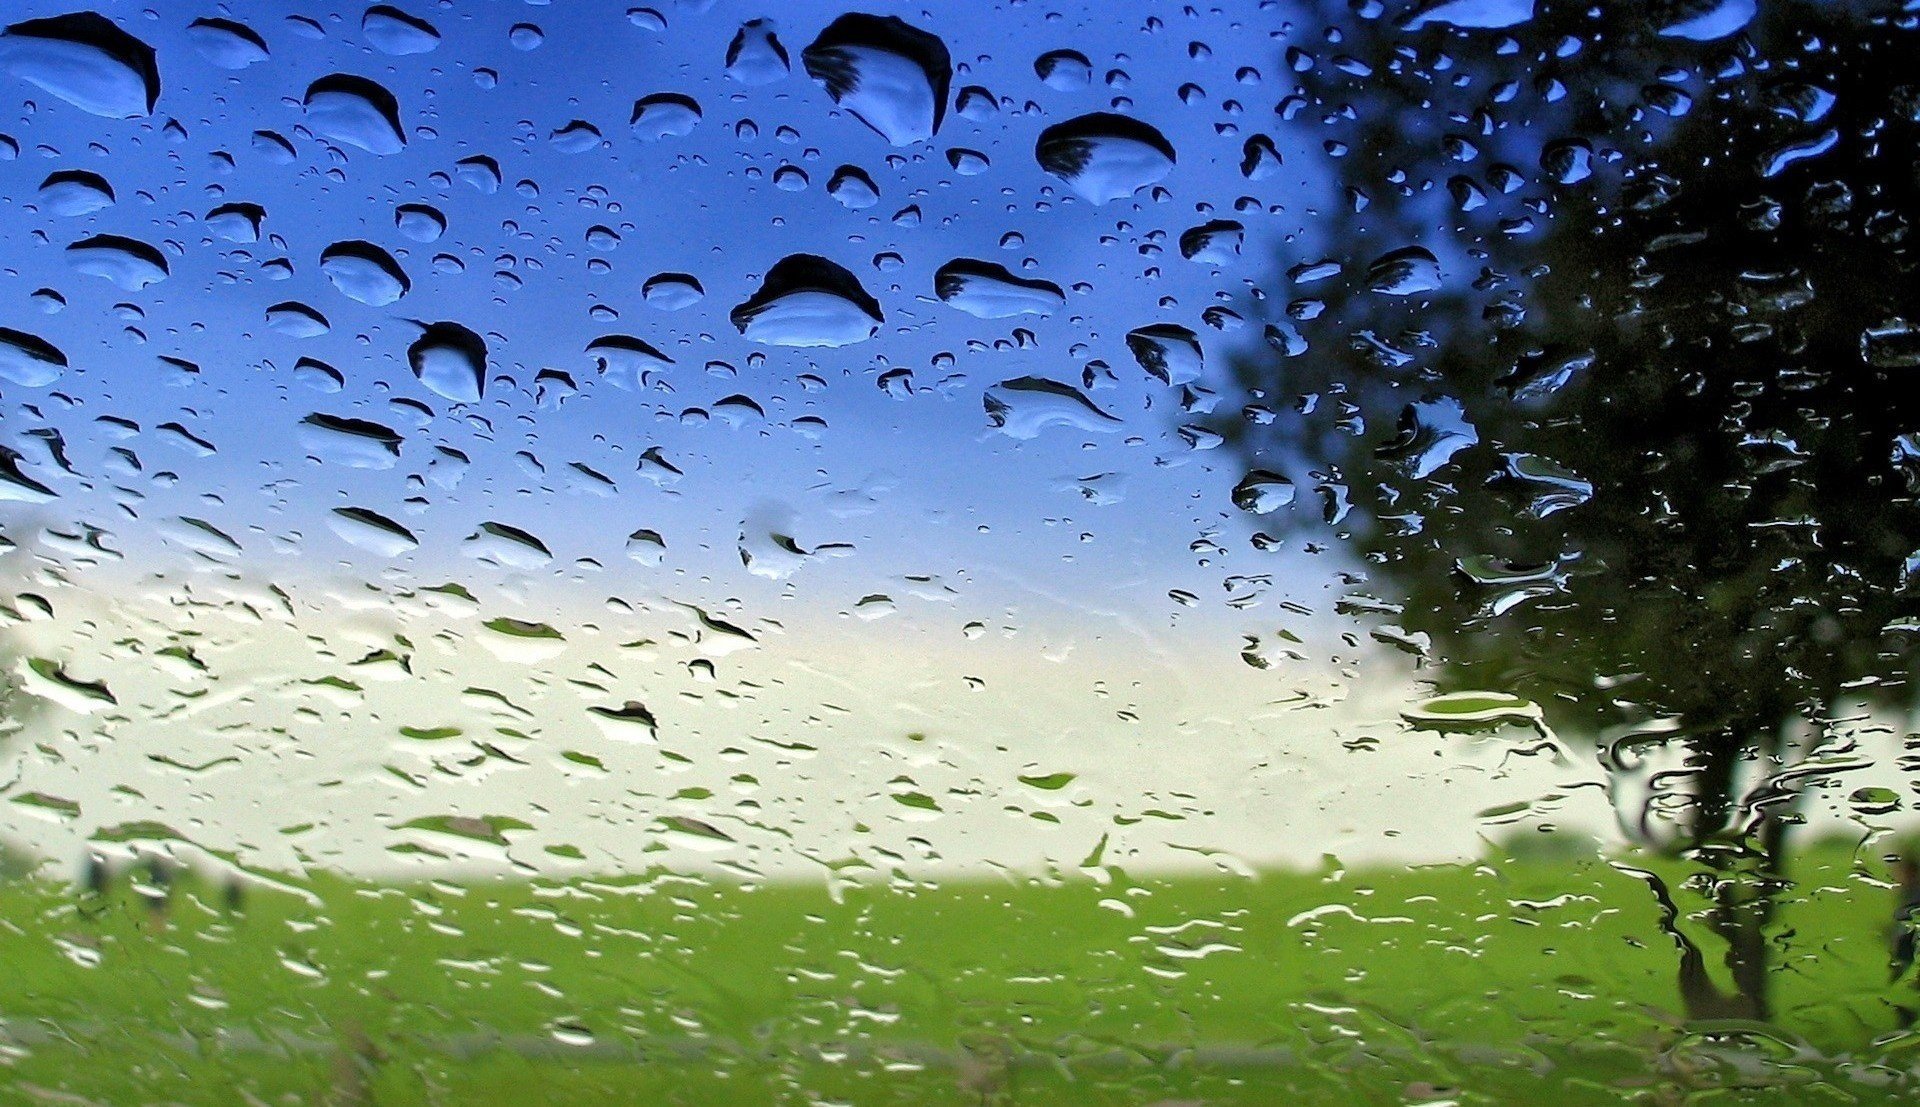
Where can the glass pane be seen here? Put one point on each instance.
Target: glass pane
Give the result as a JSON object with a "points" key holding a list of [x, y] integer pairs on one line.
{"points": [[1050, 553]]}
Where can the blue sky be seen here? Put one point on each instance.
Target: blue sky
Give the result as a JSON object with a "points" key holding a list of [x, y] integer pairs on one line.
{"points": [[943, 493]]}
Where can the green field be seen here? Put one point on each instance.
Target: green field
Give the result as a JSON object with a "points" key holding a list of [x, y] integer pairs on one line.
{"points": [[1516, 980]]}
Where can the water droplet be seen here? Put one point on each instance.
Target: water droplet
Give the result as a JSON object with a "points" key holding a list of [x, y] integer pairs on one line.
{"points": [[1430, 432], [577, 137], [1213, 243], [1470, 711], [807, 300], [988, 291], [1408, 271], [853, 188], [975, 103], [372, 531], [508, 546], [892, 76], [364, 272], [1103, 156], [1024, 406], [646, 546], [392, 31], [672, 291], [227, 44], [419, 222], [29, 360], [356, 111], [1567, 161], [623, 358], [297, 320], [1476, 14], [1169, 352], [1064, 70], [664, 115], [968, 163], [274, 147], [480, 171], [74, 192], [354, 443], [525, 36], [1893, 344], [1706, 20], [790, 178], [451, 360], [86, 60], [1872, 801], [318, 375], [1258, 158], [130, 264], [1261, 492], [755, 56], [236, 222], [16, 486]]}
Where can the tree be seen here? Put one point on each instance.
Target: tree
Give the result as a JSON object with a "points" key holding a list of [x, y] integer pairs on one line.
{"points": [[1657, 462]]}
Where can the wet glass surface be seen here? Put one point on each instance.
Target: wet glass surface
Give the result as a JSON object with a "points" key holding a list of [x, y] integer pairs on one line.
{"points": [[1126, 554]]}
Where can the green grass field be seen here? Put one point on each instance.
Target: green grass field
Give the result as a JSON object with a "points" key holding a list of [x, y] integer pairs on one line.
{"points": [[1519, 980]]}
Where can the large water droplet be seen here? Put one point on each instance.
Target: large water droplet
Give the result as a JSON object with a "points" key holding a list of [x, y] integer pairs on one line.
{"points": [[16, 486], [128, 263], [1261, 491], [451, 360], [392, 31], [622, 359], [75, 192], [29, 360], [577, 137], [1169, 352], [355, 111], [1408, 271], [505, 545], [1024, 406], [480, 171], [227, 44], [318, 375], [664, 115], [1891, 344], [420, 222], [893, 77], [1430, 432], [755, 56], [364, 272], [853, 188], [297, 320], [86, 60], [672, 291], [354, 443], [988, 291], [372, 531], [1104, 156], [1478, 14], [1214, 243], [807, 300], [1705, 20], [1064, 70], [236, 222]]}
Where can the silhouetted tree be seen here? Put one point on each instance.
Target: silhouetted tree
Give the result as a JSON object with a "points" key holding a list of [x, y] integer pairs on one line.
{"points": [[1647, 450]]}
